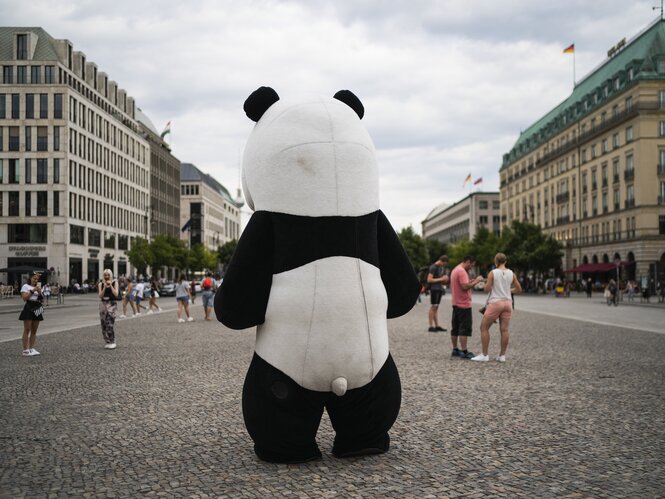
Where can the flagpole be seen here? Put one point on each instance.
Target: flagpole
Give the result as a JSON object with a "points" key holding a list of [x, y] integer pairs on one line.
{"points": [[574, 79]]}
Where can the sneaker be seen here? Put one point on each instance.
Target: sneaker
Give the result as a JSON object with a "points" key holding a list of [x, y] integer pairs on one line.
{"points": [[432, 329], [467, 355], [481, 358], [440, 329], [190, 319], [137, 313], [123, 316], [110, 346], [27, 353], [34, 352], [149, 312], [500, 358], [457, 353], [181, 320]]}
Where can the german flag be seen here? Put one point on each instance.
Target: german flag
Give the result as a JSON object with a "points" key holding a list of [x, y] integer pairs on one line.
{"points": [[570, 49]]}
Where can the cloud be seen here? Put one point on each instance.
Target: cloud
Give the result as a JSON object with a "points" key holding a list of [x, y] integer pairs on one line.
{"points": [[447, 85]]}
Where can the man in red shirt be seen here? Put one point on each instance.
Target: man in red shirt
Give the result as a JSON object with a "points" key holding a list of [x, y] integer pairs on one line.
{"points": [[461, 288]]}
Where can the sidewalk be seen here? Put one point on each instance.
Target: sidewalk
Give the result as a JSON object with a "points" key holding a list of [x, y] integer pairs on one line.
{"points": [[577, 410]]}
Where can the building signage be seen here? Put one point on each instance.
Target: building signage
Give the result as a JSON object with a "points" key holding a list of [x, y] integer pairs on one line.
{"points": [[27, 250]]}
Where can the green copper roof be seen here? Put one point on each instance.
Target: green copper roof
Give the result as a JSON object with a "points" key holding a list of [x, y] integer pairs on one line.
{"points": [[44, 51], [639, 54]]}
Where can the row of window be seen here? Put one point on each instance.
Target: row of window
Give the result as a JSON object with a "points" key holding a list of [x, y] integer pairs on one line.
{"points": [[484, 204], [104, 213], [29, 141], [36, 170], [35, 203], [95, 182], [25, 109], [77, 236], [21, 72], [189, 190]]}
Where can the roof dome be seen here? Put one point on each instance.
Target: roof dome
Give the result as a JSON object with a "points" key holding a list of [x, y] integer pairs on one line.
{"points": [[142, 118]]}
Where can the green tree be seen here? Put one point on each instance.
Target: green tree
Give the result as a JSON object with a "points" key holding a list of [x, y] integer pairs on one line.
{"points": [[435, 249], [201, 258], [225, 252], [415, 247], [163, 251], [484, 246], [140, 255], [457, 251], [529, 248]]}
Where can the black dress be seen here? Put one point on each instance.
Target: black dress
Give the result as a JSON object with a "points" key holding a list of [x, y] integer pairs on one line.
{"points": [[29, 309]]}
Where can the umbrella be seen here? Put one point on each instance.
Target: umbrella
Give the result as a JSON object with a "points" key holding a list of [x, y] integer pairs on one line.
{"points": [[23, 269]]}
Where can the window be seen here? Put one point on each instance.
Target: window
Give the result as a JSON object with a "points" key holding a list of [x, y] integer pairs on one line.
{"points": [[615, 140], [42, 171], [630, 163], [21, 47], [483, 205], [56, 203], [496, 205], [662, 128], [13, 171], [56, 138], [28, 138], [2, 138], [594, 205], [629, 104], [22, 74], [630, 192], [661, 224], [604, 202], [76, 234], [29, 106], [3, 106], [629, 134], [28, 171], [661, 155], [43, 106], [123, 242], [35, 75], [42, 206], [13, 138], [8, 75], [28, 233], [28, 204], [13, 204], [49, 71], [109, 240], [604, 146], [94, 237], [16, 107], [483, 220], [56, 171], [42, 138], [57, 106], [617, 199]]}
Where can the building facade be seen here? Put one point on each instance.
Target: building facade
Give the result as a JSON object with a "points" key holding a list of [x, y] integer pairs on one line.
{"points": [[452, 223], [591, 172], [74, 169], [208, 213], [164, 181]]}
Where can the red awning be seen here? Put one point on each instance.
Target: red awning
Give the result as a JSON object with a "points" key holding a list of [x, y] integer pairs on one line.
{"points": [[596, 267]]}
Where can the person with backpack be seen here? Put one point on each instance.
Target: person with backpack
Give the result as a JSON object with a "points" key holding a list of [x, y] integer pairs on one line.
{"points": [[208, 294], [437, 278]]}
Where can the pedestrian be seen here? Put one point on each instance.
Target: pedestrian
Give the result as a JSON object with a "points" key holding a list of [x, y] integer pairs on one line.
{"points": [[32, 313], [437, 278], [193, 290], [46, 293], [630, 290], [128, 298], [589, 287], [109, 294], [182, 295], [462, 322], [217, 280], [501, 285], [154, 294], [208, 294], [139, 295]]}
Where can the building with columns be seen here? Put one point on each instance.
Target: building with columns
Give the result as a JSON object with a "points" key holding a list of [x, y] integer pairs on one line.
{"points": [[74, 167], [591, 171]]}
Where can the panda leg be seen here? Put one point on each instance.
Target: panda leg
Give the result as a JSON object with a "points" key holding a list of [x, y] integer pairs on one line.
{"points": [[281, 417], [362, 417]]}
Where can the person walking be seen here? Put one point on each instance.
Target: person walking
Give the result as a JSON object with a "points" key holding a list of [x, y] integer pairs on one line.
{"points": [[139, 295], [437, 278], [208, 294], [182, 295], [128, 297], [109, 294], [46, 293], [501, 285], [154, 294], [192, 293], [589, 287], [462, 322], [32, 313]]}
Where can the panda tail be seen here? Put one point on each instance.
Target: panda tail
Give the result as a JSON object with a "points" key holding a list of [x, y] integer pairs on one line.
{"points": [[339, 386]]}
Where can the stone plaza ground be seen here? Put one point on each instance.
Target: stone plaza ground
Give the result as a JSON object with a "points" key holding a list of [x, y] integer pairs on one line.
{"points": [[577, 411]]}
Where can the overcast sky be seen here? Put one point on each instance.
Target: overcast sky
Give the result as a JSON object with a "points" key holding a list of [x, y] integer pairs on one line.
{"points": [[447, 85]]}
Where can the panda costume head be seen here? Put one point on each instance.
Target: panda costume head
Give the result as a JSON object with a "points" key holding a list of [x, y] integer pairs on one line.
{"points": [[318, 270], [310, 157]]}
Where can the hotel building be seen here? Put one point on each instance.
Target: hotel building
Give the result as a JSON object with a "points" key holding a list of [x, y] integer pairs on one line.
{"points": [[208, 213], [452, 223], [591, 172], [74, 167]]}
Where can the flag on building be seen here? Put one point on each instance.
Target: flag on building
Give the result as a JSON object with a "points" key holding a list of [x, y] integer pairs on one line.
{"points": [[570, 49], [478, 181], [186, 226], [467, 180], [167, 130]]}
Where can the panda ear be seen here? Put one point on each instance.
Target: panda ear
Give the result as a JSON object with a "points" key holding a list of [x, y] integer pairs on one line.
{"points": [[350, 99], [259, 101]]}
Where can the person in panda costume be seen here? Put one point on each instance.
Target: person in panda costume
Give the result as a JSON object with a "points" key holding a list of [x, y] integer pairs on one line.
{"points": [[318, 269]]}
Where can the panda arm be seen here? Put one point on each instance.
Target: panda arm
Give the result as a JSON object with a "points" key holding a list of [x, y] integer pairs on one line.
{"points": [[242, 298], [397, 274]]}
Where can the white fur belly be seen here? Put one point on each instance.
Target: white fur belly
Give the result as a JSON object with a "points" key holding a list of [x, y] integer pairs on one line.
{"points": [[325, 320]]}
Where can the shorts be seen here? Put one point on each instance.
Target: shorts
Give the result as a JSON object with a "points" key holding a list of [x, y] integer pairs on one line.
{"points": [[208, 298], [435, 296], [183, 299], [499, 309], [462, 322]]}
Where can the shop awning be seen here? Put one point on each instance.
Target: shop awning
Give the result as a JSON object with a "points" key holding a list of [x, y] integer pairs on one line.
{"points": [[597, 267]]}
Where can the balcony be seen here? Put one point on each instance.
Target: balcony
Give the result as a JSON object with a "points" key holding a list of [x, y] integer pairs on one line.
{"points": [[661, 169], [630, 203], [563, 220], [615, 179], [629, 174], [594, 186], [604, 182], [562, 198]]}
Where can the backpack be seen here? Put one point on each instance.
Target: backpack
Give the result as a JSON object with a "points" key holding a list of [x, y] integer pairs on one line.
{"points": [[207, 283]]}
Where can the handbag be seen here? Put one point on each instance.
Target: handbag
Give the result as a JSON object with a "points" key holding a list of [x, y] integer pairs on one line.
{"points": [[36, 308]]}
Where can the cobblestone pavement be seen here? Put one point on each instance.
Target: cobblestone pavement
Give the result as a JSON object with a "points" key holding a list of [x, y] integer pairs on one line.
{"points": [[577, 411]]}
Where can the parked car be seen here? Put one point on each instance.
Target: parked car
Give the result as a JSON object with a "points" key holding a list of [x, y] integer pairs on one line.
{"points": [[167, 289]]}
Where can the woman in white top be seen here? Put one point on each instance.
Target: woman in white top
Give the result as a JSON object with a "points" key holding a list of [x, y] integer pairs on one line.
{"points": [[501, 284], [32, 313], [182, 296]]}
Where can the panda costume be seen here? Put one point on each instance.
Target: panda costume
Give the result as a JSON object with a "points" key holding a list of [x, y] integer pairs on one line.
{"points": [[318, 269]]}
